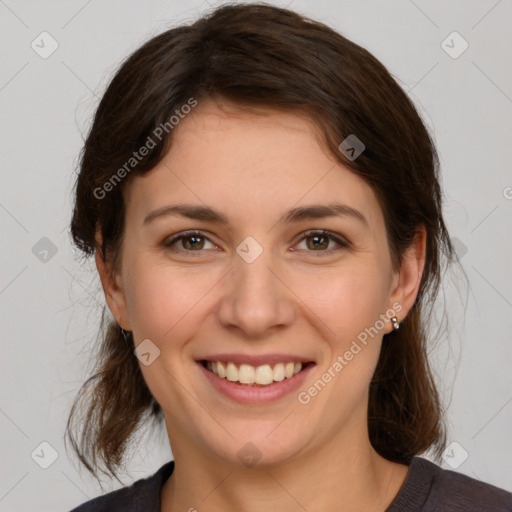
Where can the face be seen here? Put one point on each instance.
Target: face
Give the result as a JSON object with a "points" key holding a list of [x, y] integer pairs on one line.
{"points": [[268, 277]]}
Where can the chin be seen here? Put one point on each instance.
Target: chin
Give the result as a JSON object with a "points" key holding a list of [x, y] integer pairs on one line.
{"points": [[258, 445]]}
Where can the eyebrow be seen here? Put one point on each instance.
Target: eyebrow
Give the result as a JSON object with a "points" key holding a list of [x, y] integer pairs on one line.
{"points": [[205, 213]]}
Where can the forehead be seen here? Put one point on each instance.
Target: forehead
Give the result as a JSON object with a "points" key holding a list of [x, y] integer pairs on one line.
{"points": [[249, 163], [232, 137], [215, 113]]}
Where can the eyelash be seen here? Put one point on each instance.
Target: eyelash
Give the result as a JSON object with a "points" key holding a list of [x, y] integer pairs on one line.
{"points": [[342, 243]]}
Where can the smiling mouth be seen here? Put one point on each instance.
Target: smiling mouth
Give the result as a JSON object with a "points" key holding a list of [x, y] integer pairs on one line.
{"points": [[249, 375]]}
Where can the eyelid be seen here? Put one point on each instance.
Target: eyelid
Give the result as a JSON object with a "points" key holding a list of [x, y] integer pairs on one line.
{"points": [[341, 241], [170, 241], [338, 239]]}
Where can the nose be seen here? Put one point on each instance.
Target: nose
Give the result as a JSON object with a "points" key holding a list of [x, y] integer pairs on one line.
{"points": [[257, 300]]}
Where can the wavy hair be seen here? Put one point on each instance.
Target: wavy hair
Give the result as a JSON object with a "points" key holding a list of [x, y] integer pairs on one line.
{"points": [[262, 56]]}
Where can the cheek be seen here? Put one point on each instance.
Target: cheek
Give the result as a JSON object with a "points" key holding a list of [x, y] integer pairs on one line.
{"points": [[348, 300], [163, 302], [348, 307]]}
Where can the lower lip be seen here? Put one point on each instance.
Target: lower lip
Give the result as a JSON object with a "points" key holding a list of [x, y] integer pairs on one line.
{"points": [[248, 394]]}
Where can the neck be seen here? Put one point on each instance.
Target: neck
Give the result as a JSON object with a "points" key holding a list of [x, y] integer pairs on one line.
{"points": [[345, 475]]}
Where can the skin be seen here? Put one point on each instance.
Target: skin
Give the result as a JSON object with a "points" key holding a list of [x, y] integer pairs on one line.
{"points": [[294, 298]]}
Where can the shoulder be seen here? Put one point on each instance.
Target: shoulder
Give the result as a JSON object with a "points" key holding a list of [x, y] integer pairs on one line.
{"points": [[142, 495], [430, 488]]}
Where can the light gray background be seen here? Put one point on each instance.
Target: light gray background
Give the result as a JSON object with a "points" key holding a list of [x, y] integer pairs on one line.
{"points": [[50, 309]]}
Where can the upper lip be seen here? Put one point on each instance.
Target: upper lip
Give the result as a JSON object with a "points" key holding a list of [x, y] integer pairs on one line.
{"points": [[256, 360]]}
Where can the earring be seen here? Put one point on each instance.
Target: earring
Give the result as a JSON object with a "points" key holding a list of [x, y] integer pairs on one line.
{"points": [[396, 325]]}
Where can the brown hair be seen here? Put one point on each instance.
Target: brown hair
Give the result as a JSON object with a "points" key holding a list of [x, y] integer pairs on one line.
{"points": [[263, 56]]}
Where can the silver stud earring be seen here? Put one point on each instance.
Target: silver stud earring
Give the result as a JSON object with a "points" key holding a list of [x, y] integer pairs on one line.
{"points": [[396, 325]]}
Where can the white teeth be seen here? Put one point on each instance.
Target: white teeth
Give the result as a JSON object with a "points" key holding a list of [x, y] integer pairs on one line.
{"points": [[246, 374], [221, 371], [262, 375], [279, 372], [288, 370], [232, 372]]}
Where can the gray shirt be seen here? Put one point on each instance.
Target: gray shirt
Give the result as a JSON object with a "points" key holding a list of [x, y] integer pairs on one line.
{"points": [[427, 488]]}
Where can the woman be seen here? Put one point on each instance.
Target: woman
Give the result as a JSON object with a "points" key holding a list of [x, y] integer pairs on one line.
{"points": [[263, 204]]}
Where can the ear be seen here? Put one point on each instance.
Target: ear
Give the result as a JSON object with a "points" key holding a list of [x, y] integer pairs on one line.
{"points": [[112, 287], [407, 279]]}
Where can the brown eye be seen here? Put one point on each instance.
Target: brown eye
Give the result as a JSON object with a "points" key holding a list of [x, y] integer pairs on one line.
{"points": [[192, 242], [188, 242], [320, 241]]}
